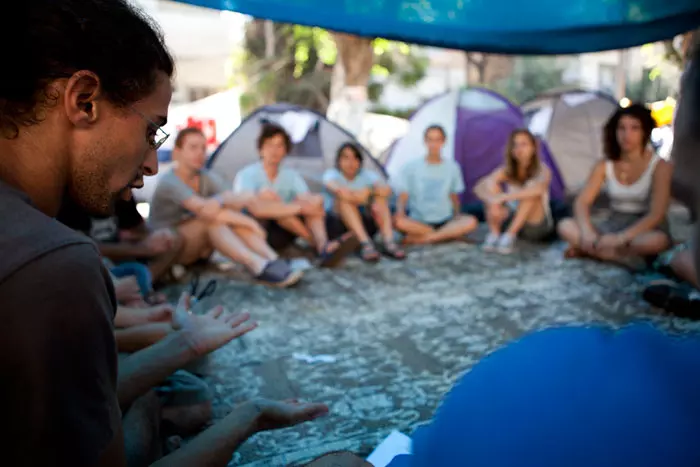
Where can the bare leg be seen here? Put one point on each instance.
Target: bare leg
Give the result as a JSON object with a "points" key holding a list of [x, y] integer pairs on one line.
{"points": [[414, 231], [230, 245], [569, 232], [188, 419], [647, 244], [496, 214], [683, 266], [454, 229], [350, 215], [317, 226], [296, 226], [197, 246], [141, 425], [162, 263], [256, 243], [529, 211], [382, 216]]}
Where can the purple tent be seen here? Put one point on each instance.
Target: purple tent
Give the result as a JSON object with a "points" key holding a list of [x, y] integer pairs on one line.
{"points": [[477, 122]]}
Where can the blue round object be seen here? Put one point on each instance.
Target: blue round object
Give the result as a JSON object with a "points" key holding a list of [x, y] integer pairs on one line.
{"points": [[574, 397]]}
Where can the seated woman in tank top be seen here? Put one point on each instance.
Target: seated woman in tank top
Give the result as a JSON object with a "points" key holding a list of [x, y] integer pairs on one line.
{"points": [[523, 208], [638, 185]]}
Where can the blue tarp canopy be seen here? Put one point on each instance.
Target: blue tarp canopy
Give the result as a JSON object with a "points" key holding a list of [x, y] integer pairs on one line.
{"points": [[494, 26]]}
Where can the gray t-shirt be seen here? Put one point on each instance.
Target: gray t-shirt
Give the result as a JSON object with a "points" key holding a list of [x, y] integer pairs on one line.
{"points": [[167, 210], [58, 357]]}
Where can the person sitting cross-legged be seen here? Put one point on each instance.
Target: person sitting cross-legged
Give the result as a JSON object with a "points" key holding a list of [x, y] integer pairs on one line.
{"points": [[125, 238], [282, 203], [524, 206], [195, 202], [638, 184], [358, 200], [428, 208]]}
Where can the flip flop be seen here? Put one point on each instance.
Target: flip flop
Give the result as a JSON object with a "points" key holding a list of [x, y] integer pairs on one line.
{"points": [[393, 251], [369, 253], [347, 243]]}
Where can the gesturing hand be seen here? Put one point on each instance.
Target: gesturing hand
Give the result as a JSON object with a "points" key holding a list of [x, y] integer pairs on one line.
{"points": [[274, 415], [212, 330]]}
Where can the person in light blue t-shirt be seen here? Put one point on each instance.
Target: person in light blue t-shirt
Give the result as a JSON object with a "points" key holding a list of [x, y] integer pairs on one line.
{"points": [[281, 201], [357, 200], [428, 208]]}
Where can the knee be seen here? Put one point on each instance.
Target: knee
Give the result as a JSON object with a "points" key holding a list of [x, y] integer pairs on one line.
{"points": [[189, 419], [178, 242], [470, 222], [400, 222], [567, 229], [312, 198], [496, 212], [382, 191]]}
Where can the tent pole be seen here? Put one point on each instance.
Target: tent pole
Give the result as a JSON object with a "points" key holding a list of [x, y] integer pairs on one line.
{"points": [[621, 78]]}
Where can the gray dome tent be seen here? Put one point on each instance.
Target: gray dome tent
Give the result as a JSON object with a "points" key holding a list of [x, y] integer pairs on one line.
{"points": [[316, 141], [571, 122]]}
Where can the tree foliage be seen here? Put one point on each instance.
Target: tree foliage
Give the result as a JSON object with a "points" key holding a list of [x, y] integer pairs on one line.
{"points": [[297, 67], [531, 77]]}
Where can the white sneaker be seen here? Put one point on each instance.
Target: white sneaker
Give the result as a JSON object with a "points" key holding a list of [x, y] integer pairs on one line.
{"points": [[505, 244], [490, 243]]}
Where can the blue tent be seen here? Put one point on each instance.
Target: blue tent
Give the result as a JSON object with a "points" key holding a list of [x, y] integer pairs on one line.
{"points": [[496, 26]]}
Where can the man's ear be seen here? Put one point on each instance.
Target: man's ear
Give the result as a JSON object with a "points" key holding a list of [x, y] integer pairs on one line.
{"points": [[81, 98]]}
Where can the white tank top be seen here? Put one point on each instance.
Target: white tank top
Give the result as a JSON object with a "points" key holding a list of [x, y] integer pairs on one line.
{"points": [[634, 198]]}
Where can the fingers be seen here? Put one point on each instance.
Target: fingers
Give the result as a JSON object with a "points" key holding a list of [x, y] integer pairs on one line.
{"points": [[215, 312], [184, 302], [308, 412], [236, 320], [243, 330]]}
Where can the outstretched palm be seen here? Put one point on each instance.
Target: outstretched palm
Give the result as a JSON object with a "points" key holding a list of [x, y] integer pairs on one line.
{"points": [[212, 330], [274, 415]]}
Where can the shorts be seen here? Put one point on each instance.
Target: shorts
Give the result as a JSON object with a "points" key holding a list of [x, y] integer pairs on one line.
{"points": [[138, 270], [614, 222], [278, 237], [439, 225], [336, 227], [534, 232]]}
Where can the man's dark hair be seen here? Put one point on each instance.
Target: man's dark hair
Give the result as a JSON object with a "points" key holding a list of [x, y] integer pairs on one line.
{"points": [[184, 133], [269, 131], [436, 128], [611, 147], [47, 40], [356, 152]]}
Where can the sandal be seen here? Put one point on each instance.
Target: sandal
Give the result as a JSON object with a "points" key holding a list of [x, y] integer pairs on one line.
{"points": [[393, 251], [369, 253], [331, 257]]}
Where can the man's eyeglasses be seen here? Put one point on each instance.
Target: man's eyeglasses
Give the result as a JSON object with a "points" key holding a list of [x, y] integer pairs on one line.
{"points": [[156, 136]]}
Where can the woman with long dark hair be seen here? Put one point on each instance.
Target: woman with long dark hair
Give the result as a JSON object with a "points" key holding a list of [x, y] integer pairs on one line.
{"points": [[524, 205], [638, 184]]}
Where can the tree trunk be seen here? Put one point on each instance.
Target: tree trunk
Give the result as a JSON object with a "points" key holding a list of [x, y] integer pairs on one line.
{"points": [[269, 28], [351, 75]]}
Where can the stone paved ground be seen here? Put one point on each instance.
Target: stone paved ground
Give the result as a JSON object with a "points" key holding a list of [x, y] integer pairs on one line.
{"points": [[399, 335]]}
